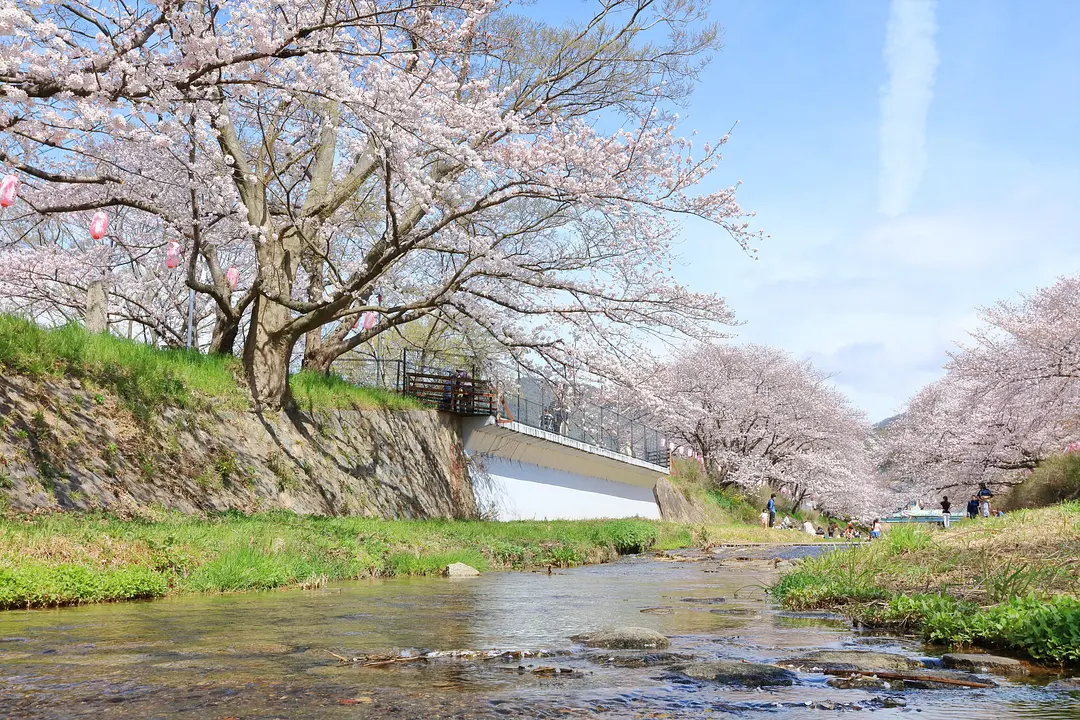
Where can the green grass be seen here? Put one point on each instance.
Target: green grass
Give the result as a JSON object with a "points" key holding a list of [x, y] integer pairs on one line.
{"points": [[317, 391], [1008, 583], [145, 379], [71, 558], [1056, 479], [142, 377]]}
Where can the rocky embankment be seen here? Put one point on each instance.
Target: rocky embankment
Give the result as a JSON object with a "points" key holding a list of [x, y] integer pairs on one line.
{"points": [[63, 445]]}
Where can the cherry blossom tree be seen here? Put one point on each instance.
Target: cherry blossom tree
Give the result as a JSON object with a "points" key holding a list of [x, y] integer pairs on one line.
{"points": [[46, 268], [759, 417], [1009, 399], [391, 156]]}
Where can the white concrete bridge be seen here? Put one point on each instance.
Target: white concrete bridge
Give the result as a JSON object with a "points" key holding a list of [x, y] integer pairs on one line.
{"points": [[524, 473]]}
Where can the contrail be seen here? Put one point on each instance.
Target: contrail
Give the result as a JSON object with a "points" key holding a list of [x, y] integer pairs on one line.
{"points": [[911, 59]]}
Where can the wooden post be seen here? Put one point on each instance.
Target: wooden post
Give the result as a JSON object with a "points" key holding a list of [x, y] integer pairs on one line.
{"points": [[97, 307]]}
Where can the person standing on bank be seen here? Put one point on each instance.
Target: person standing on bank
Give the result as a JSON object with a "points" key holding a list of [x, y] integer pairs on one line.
{"points": [[772, 509], [984, 496], [973, 507], [945, 505]]}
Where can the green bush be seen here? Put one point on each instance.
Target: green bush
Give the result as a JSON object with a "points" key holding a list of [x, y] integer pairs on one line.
{"points": [[736, 506], [1046, 629], [37, 585], [628, 537], [1056, 479]]}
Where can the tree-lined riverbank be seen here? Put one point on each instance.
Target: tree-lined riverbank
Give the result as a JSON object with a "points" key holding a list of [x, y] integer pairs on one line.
{"points": [[68, 558], [1010, 583]]}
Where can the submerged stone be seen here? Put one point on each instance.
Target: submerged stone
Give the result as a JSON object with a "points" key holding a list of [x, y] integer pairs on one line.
{"points": [[926, 680], [853, 660], [638, 660], [735, 672], [977, 662], [864, 682], [1067, 685], [625, 638]]}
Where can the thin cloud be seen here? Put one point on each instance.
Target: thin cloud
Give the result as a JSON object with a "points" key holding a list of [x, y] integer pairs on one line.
{"points": [[911, 59]]}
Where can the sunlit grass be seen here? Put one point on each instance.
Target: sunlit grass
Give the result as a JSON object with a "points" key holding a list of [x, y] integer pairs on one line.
{"points": [[145, 378], [1007, 582], [318, 391], [73, 558]]}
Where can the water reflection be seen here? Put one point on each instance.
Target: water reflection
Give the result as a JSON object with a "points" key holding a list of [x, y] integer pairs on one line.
{"points": [[268, 655]]}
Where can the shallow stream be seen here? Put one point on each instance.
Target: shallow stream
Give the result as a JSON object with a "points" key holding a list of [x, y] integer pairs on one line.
{"points": [[269, 655]]}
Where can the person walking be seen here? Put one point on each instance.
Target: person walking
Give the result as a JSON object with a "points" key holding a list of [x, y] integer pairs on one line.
{"points": [[772, 509], [984, 496], [973, 507], [764, 518], [945, 505]]}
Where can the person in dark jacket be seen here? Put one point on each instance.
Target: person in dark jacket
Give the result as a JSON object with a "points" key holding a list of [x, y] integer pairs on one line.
{"points": [[973, 507], [945, 505], [984, 496]]}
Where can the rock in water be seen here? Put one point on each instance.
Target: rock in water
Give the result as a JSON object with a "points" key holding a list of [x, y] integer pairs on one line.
{"points": [[460, 570], [863, 682], [1066, 685], [734, 672], [627, 638], [984, 663], [851, 660]]}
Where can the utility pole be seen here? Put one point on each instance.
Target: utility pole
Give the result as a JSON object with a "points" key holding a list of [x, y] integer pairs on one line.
{"points": [[190, 317]]}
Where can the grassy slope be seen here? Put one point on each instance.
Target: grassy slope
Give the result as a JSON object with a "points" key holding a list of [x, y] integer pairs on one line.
{"points": [[1009, 582], [69, 558], [147, 378]]}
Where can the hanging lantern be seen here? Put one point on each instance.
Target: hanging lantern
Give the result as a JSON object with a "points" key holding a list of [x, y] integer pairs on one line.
{"points": [[9, 190], [232, 276], [369, 320], [99, 225], [172, 255]]}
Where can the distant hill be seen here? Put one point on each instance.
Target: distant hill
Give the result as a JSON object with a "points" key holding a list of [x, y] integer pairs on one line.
{"points": [[886, 422]]}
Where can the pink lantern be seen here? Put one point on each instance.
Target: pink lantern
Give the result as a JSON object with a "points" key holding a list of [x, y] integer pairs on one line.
{"points": [[9, 190], [99, 225], [172, 255], [367, 318], [232, 276]]}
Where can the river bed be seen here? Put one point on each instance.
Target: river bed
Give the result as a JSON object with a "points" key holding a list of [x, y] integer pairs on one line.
{"points": [[272, 655]]}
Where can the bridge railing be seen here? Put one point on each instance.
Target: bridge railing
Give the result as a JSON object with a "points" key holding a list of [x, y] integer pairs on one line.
{"points": [[451, 393], [593, 424], [438, 381]]}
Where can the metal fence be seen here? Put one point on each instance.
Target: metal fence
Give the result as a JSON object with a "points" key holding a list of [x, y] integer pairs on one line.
{"points": [[381, 373], [511, 393], [592, 424]]}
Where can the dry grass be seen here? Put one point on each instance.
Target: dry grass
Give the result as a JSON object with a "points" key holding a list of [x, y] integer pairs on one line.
{"points": [[981, 559]]}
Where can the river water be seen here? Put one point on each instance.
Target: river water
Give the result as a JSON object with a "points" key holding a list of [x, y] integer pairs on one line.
{"points": [[268, 655]]}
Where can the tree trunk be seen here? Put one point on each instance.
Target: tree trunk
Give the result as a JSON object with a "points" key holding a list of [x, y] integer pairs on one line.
{"points": [[313, 339], [223, 340], [97, 307], [268, 347], [798, 498], [319, 358], [266, 356]]}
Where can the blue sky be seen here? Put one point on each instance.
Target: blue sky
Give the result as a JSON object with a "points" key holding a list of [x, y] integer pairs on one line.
{"points": [[900, 195]]}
